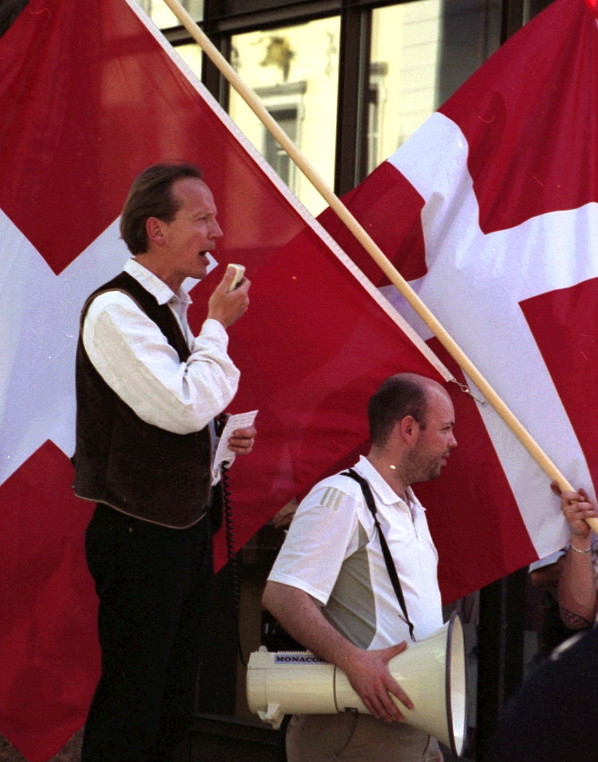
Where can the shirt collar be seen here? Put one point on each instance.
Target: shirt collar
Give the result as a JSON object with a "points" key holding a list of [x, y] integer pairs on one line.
{"points": [[383, 490], [156, 287]]}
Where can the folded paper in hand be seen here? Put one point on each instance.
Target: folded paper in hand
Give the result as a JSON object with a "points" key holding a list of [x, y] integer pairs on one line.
{"points": [[223, 452]]}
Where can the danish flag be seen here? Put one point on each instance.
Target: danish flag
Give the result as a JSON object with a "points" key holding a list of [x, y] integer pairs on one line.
{"points": [[90, 95], [490, 211]]}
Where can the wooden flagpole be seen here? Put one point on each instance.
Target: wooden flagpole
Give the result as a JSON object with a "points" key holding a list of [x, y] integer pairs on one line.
{"points": [[373, 249]]}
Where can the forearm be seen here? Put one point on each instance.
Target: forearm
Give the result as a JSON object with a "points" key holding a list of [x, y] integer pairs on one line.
{"points": [[135, 360], [367, 671], [577, 584], [577, 587], [301, 617]]}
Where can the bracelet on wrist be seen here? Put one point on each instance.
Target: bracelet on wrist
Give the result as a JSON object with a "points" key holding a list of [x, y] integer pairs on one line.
{"points": [[577, 550]]}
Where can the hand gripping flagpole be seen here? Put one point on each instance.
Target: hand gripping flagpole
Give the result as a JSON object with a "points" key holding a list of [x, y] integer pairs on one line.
{"points": [[373, 249]]}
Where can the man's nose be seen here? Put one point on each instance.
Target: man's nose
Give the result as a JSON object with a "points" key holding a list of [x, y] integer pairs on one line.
{"points": [[216, 231]]}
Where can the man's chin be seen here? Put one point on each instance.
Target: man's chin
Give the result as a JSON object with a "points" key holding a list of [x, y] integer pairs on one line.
{"points": [[428, 477], [435, 473]]}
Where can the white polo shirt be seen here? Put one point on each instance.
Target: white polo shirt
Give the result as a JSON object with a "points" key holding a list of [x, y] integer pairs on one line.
{"points": [[332, 552]]}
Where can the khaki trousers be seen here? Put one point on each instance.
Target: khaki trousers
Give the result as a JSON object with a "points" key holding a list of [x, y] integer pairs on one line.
{"points": [[358, 738]]}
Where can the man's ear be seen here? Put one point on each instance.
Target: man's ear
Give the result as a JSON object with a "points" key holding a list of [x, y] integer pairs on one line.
{"points": [[155, 231], [408, 429]]}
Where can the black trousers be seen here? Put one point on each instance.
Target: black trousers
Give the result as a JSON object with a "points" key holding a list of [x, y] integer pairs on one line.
{"points": [[153, 585]]}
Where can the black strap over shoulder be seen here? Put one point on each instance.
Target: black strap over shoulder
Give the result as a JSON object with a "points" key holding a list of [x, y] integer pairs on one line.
{"points": [[390, 566]]}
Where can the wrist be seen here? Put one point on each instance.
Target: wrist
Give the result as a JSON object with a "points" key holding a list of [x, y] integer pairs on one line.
{"points": [[217, 319], [580, 546], [347, 656]]}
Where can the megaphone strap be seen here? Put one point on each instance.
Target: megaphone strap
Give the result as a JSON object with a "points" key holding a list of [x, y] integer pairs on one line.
{"points": [[388, 560]]}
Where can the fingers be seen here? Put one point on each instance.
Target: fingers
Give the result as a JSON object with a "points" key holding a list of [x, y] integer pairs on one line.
{"points": [[227, 280], [384, 709], [574, 502], [250, 431], [383, 706], [396, 650], [242, 440], [380, 692], [380, 705], [387, 707], [576, 511], [570, 497], [240, 447], [399, 693], [229, 276], [577, 508], [228, 306]]}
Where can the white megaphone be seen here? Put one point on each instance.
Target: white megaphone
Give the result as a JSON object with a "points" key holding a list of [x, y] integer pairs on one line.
{"points": [[431, 672]]}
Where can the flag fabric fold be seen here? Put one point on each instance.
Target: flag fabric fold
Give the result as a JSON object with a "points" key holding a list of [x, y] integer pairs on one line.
{"points": [[90, 95], [490, 211]]}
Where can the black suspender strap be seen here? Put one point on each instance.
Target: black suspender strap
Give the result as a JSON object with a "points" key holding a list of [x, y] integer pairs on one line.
{"points": [[392, 571]]}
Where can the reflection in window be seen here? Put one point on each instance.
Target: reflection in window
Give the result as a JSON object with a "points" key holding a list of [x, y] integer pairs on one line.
{"points": [[294, 71], [376, 98], [164, 18], [192, 56], [276, 157], [421, 53]]}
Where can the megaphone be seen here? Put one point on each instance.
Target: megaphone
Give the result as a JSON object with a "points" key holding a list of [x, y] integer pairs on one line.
{"points": [[431, 671]]}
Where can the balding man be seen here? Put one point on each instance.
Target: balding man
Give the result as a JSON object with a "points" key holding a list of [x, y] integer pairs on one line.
{"points": [[332, 590]]}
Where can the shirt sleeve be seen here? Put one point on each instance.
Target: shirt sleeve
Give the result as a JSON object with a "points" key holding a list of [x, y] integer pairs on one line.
{"points": [[323, 533], [134, 358]]}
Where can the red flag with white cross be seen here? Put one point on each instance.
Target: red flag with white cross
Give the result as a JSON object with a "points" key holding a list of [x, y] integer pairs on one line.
{"points": [[90, 95], [490, 211]]}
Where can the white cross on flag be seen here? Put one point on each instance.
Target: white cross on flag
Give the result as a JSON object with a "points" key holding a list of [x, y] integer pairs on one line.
{"points": [[90, 94], [490, 211]]}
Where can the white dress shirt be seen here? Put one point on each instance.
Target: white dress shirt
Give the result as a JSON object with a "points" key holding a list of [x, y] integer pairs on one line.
{"points": [[133, 357]]}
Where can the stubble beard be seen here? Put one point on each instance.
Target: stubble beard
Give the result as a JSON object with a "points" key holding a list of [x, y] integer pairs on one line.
{"points": [[420, 469]]}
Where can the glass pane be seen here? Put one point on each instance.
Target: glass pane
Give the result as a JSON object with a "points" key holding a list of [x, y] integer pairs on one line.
{"points": [[421, 53], [294, 71], [533, 7], [164, 18], [191, 55]]}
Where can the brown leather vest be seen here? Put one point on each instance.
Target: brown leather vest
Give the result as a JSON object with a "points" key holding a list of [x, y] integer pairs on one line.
{"points": [[130, 465]]}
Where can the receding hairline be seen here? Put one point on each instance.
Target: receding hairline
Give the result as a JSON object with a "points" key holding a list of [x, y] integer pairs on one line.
{"points": [[176, 184], [424, 383], [431, 389], [416, 378]]}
